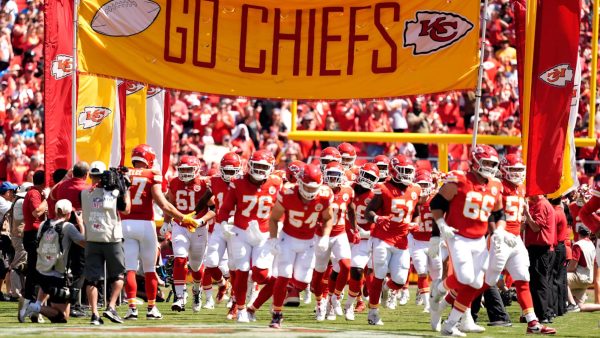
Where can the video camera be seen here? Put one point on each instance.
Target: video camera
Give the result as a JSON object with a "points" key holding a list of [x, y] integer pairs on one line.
{"points": [[115, 179]]}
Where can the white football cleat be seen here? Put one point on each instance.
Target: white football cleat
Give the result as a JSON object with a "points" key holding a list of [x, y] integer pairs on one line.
{"points": [[404, 297], [320, 310], [435, 318], [330, 312], [451, 330], [178, 305], [468, 325], [373, 318], [419, 299], [197, 304], [390, 300], [349, 312], [337, 305], [306, 299], [242, 316], [209, 304], [154, 314], [131, 314]]}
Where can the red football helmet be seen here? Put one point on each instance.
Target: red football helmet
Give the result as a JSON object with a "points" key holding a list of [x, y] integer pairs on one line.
{"points": [[383, 164], [261, 164], [188, 168], [292, 171], [403, 169], [424, 179], [330, 154], [484, 160], [513, 169], [310, 180], [348, 154], [368, 175], [145, 154], [334, 174], [230, 166]]}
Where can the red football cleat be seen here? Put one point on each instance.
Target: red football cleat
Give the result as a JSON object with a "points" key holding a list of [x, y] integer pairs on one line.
{"points": [[360, 306], [536, 328], [222, 291]]}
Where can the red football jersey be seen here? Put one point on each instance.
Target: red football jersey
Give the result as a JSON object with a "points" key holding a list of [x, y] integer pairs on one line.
{"points": [[218, 188], [472, 205], [574, 210], [186, 195], [423, 233], [360, 204], [513, 199], [251, 202], [142, 181], [351, 174], [399, 204], [339, 206], [300, 219]]}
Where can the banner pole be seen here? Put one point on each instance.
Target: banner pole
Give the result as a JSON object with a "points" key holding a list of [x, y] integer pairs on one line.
{"points": [[294, 114], [480, 74], [74, 85], [594, 72]]}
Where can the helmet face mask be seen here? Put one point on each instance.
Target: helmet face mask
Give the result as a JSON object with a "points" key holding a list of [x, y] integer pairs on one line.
{"points": [[515, 175], [186, 173], [384, 171], [348, 161], [308, 191], [487, 168], [367, 179], [260, 170], [333, 177], [404, 175], [426, 188], [229, 172], [348, 153], [310, 180], [484, 161]]}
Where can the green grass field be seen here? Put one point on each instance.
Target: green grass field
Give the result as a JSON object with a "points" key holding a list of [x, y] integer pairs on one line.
{"points": [[299, 322]]}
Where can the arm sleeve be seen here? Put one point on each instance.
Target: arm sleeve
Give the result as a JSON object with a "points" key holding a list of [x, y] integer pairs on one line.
{"points": [[227, 207], [74, 234], [588, 216]]}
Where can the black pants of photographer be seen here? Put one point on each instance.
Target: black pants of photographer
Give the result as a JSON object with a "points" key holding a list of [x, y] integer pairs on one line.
{"points": [[541, 260], [31, 279], [493, 304], [559, 280]]}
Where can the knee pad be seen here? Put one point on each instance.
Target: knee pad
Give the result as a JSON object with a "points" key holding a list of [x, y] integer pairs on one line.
{"points": [[260, 276], [356, 273], [58, 319], [333, 275]]}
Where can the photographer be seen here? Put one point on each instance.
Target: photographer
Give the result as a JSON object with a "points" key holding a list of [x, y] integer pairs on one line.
{"points": [[55, 238], [104, 236]]}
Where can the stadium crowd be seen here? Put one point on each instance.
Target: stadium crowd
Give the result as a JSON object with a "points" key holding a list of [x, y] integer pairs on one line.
{"points": [[246, 127]]}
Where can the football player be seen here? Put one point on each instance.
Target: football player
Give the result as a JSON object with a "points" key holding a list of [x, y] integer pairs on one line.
{"points": [[339, 248], [329, 154], [303, 206], [461, 210], [292, 171], [139, 230], [391, 209], [368, 176], [383, 164], [252, 196], [510, 254], [348, 153], [184, 192], [418, 240], [218, 260]]}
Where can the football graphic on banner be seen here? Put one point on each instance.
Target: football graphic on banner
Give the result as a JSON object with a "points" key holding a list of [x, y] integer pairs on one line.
{"points": [[125, 17]]}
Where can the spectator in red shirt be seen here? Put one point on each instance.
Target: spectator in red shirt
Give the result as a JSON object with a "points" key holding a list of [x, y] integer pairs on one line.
{"points": [[540, 230], [70, 188], [559, 269], [34, 212]]}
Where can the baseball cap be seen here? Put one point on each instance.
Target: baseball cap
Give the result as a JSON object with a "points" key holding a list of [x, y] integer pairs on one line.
{"points": [[23, 188], [63, 206], [97, 168], [6, 186]]}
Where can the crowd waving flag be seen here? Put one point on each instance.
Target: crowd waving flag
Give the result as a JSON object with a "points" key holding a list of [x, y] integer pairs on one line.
{"points": [[311, 49], [553, 75], [108, 124]]}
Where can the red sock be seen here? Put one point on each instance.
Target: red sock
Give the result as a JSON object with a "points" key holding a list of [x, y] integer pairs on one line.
{"points": [[215, 274], [465, 296], [393, 285], [375, 292], [279, 292], [298, 284], [423, 284], [207, 280], [179, 270], [241, 287], [524, 295], [151, 287], [450, 298], [508, 281], [265, 293], [232, 278], [316, 284], [343, 275], [368, 280], [198, 276], [331, 281], [131, 287], [260, 276], [325, 280], [354, 287]]}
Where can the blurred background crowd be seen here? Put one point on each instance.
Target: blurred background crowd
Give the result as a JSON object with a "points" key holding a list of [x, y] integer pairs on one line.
{"points": [[245, 125]]}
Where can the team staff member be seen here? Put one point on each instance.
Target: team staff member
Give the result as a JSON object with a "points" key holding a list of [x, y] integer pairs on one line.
{"points": [[559, 268], [540, 229]]}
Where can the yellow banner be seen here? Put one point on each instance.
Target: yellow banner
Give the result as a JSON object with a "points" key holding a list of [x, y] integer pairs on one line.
{"points": [[98, 121], [309, 49]]}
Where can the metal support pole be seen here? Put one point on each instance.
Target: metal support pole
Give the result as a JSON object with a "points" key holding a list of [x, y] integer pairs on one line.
{"points": [[480, 74], [594, 72], [74, 85]]}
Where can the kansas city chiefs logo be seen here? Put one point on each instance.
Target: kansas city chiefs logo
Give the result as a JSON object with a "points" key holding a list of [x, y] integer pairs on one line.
{"points": [[133, 87], [92, 116], [558, 75], [153, 90], [432, 31], [62, 66]]}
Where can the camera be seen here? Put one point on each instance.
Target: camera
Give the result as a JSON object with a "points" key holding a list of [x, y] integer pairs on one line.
{"points": [[115, 179]]}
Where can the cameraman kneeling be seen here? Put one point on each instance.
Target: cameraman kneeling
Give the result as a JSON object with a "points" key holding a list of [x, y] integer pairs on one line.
{"points": [[55, 238], [104, 236]]}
